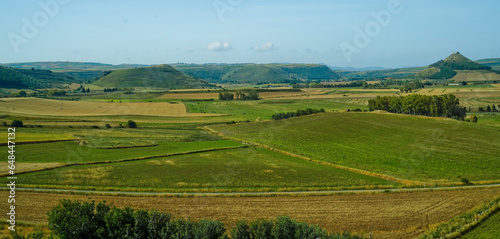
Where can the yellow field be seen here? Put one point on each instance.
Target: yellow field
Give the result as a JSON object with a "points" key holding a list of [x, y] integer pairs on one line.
{"points": [[23, 137], [33, 106], [475, 76], [386, 215], [27, 167], [349, 94], [196, 96], [205, 95]]}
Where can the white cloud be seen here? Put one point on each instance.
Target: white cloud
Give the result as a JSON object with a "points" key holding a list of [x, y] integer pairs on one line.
{"points": [[219, 46], [264, 47]]}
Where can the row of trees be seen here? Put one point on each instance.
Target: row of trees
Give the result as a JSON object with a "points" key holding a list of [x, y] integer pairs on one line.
{"points": [[110, 89], [488, 108], [252, 95], [299, 112], [45, 93], [74, 220], [436, 106], [82, 89], [412, 85]]}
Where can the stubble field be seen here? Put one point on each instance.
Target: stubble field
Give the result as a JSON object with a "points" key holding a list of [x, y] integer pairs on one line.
{"points": [[386, 215]]}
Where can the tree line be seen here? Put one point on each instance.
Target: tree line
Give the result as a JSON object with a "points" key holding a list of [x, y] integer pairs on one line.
{"points": [[240, 95], [74, 220], [447, 106], [488, 108], [299, 112]]}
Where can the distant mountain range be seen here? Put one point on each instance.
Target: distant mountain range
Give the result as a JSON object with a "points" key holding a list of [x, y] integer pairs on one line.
{"points": [[36, 75], [375, 68]]}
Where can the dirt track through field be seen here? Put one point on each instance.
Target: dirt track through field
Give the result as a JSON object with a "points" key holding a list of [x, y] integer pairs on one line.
{"points": [[386, 215]]}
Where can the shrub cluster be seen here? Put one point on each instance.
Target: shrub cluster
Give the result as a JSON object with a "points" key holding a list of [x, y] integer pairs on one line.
{"points": [[74, 219], [299, 112]]}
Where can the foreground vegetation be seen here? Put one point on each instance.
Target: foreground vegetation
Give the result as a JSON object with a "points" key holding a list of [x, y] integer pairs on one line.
{"points": [[74, 219], [402, 215]]}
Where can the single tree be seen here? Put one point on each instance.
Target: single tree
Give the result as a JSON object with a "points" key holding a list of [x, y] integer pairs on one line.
{"points": [[473, 119], [131, 124], [17, 123]]}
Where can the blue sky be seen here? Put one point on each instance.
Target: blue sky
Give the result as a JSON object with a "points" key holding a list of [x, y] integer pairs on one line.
{"points": [[337, 33]]}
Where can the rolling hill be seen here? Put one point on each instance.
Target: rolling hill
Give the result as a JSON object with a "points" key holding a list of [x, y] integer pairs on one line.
{"points": [[82, 71], [258, 73], [459, 68], [12, 79], [161, 76], [494, 63], [380, 74], [68, 66], [33, 79], [52, 79]]}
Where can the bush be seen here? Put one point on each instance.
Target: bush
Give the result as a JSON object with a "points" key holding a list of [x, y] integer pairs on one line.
{"points": [[75, 220], [261, 229], [241, 230], [4, 124], [473, 119], [210, 229], [131, 124], [465, 181], [108, 126], [17, 123], [38, 234]]}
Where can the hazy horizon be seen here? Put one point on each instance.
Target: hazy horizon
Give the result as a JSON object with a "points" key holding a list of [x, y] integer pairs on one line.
{"points": [[382, 33]]}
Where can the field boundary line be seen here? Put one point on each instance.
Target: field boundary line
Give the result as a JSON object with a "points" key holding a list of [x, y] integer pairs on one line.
{"points": [[132, 159], [360, 171], [246, 194]]}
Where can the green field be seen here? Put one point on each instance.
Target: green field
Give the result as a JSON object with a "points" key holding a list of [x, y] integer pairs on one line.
{"points": [[236, 169], [71, 152], [415, 148], [488, 229], [151, 134], [489, 118], [264, 109]]}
